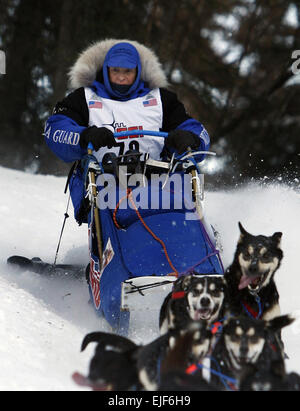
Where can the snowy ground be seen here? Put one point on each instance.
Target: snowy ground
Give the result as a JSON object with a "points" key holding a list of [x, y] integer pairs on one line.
{"points": [[43, 320]]}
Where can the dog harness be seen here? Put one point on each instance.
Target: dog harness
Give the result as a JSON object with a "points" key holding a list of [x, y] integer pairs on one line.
{"points": [[229, 383], [177, 295], [250, 311]]}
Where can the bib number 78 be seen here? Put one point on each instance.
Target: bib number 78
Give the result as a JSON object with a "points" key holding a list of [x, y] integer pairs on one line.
{"points": [[133, 145]]}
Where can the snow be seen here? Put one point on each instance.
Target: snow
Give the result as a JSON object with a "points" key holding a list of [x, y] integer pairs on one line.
{"points": [[44, 319]]}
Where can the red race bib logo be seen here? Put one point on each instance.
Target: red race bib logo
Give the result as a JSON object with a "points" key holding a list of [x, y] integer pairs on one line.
{"points": [[119, 129]]}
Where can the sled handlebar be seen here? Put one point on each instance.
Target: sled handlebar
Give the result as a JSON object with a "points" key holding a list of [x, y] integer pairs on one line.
{"points": [[158, 164], [161, 166], [141, 132]]}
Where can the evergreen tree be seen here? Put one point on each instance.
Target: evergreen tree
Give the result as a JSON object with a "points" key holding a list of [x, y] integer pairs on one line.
{"points": [[229, 61]]}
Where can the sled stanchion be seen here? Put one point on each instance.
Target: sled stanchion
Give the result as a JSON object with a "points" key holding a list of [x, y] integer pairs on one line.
{"points": [[95, 208], [195, 185], [196, 190]]}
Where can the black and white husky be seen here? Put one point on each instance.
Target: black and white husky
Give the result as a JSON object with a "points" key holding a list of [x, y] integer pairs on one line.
{"points": [[250, 277], [194, 298], [246, 341]]}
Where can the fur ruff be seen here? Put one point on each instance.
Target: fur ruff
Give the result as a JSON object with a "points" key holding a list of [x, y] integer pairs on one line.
{"points": [[90, 61]]}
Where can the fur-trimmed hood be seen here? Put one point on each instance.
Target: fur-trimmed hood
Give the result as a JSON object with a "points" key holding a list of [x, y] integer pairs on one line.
{"points": [[90, 61]]}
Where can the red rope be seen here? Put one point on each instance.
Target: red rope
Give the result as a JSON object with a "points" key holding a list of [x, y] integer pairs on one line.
{"points": [[116, 210]]}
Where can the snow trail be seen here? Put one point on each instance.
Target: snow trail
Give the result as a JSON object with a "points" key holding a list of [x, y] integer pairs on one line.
{"points": [[44, 319]]}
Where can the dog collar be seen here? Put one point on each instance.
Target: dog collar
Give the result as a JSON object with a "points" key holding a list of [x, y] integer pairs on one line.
{"points": [[216, 327], [178, 294]]}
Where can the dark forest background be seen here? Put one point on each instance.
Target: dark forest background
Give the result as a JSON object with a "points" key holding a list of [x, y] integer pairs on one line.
{"points": [[228, 60]]}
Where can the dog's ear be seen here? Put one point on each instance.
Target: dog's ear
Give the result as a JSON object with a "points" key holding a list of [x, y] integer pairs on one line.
{"points": [[103, 339], [224, 282], [182, 282], [242, 230], [91, 337], [276, 237], [279, 322], [186, 282], [244, 233]]}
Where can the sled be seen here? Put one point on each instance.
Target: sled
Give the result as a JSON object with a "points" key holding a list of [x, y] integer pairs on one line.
{"points": [[149, 234]]}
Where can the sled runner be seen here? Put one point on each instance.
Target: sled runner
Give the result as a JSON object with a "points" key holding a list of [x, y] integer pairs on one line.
{"points": [[152, 229], [36, 265]]}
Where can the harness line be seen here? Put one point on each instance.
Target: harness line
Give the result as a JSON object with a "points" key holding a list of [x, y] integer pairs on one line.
{"points": [[231, 382], [250, 311], [140, 288]]}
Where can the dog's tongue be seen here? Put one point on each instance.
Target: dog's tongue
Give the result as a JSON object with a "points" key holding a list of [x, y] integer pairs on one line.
{"points": [[245, 281]]}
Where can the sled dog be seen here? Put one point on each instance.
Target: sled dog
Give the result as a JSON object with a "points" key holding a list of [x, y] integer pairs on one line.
{"points": [[194, 297], [152, 364], [250, 278], [176, 371], [245, 341], [112, 368]]}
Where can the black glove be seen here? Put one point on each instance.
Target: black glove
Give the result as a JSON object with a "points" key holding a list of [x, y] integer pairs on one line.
{"points": [[181, 140], [98, 136]]}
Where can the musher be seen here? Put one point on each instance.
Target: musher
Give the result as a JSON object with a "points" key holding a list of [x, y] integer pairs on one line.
{"points": [[118, 85]]}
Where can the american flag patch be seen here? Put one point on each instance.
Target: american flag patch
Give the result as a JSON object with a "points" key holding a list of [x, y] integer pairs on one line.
{"points": [[95, 104], [151, 102]]}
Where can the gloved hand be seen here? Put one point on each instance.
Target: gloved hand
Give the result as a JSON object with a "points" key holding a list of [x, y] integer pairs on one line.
{"points": [[181, 140], [98, 136]]}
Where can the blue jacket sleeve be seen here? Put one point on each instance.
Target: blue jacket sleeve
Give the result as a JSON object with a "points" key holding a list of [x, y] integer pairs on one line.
{"points": [[63, 128], [197, 128], [62, 135]]}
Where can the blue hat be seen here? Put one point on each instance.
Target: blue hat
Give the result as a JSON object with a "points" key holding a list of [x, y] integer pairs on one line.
{"points": [[123, 55]]}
